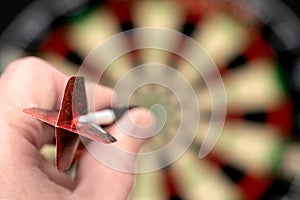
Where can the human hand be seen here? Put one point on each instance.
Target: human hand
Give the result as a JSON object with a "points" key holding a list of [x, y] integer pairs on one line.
{"points": [[24, 173]]}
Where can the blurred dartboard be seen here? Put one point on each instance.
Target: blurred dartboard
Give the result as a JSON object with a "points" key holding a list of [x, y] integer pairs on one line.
{"points": [[255, 45]]}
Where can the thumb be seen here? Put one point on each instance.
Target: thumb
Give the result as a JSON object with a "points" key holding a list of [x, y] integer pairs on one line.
{"points": [[107, 170]]}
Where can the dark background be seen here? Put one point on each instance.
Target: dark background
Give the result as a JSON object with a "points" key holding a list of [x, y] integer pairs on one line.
{"points": [[10, 8]]}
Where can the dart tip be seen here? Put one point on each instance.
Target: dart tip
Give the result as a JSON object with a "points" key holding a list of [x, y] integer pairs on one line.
{"points": [[108, 137], [112, 139]]}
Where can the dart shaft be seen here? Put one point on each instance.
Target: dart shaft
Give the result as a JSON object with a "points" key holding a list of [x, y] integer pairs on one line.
{"points": [[103, 117]]}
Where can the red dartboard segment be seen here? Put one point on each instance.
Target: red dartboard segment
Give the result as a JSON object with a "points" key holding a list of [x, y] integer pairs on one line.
{"points": [[194, 10], [259, 48], [254, 188], [280, 117], [122, 10], [56, 43]]}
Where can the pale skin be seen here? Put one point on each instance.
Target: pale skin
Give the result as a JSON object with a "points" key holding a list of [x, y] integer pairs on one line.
{"points": [[24, 173]]}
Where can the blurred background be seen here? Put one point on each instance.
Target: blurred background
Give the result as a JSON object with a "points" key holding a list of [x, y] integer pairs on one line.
{"points": [[256, 47]]}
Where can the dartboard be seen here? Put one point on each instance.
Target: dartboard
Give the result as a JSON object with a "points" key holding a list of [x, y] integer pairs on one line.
{"points": [[253, 46]]}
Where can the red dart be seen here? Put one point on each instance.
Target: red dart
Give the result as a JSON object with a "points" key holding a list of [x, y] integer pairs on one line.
{"points": [[67, 128]]}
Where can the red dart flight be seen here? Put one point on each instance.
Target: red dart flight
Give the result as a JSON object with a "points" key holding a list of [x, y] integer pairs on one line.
{"points": [[67, 128]]}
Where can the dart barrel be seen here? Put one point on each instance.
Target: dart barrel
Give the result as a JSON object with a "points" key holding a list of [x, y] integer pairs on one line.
{"points": [[254, 46]]}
